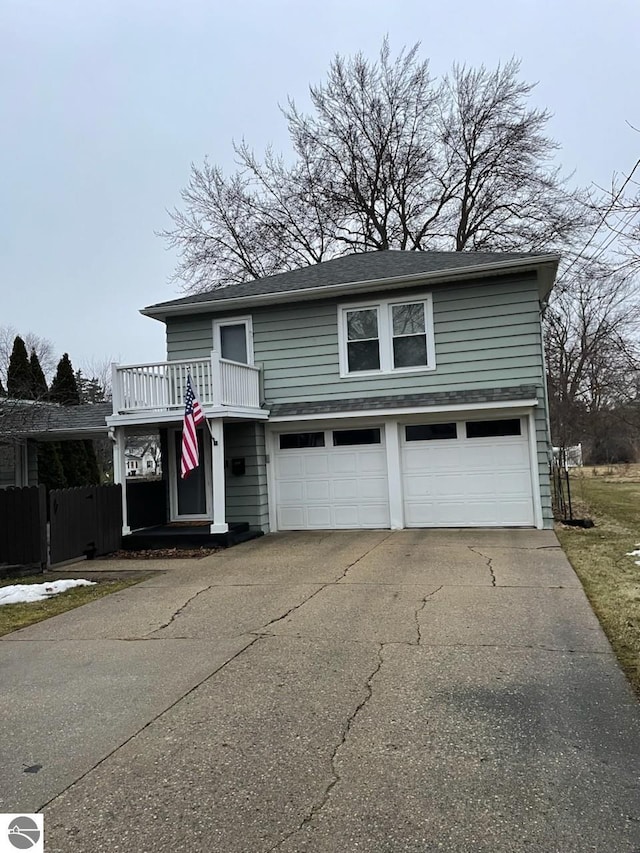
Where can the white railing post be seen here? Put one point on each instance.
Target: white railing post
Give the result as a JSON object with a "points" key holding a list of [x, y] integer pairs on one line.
{"points": [[116, 388], [216, 379]]}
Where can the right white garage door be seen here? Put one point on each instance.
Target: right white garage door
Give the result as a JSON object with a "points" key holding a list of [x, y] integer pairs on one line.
{"points": [[472, 473]]}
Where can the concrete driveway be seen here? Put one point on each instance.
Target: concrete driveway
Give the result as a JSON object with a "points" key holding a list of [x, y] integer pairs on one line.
{"points": [[347, 691]]}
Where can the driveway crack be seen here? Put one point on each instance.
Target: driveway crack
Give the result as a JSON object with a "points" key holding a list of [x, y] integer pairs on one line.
{"points": [[323, 587], [317, 807], [178, 612], [362, 556], [489, 563], [422, 604]]}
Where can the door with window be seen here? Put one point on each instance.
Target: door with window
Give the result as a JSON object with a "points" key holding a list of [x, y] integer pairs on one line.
{"points": [[331, 479], [191, 496]]}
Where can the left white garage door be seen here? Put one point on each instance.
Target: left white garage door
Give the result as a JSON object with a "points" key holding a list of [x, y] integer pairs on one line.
{"points": [[331, 479]]}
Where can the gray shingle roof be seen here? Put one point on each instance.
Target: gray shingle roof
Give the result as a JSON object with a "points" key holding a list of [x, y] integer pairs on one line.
{"points": [[45, 419], [405, 401], [364, 266]]}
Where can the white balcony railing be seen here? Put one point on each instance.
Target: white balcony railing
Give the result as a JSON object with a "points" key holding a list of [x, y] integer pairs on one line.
{"points": [[160, 386]]}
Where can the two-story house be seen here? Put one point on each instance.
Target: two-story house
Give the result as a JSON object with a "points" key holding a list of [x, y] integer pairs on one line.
{"points": [[386, 389]]}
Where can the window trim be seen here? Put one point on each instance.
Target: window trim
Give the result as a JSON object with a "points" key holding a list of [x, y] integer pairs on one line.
{"points": [[247, 322], [384, 308]]}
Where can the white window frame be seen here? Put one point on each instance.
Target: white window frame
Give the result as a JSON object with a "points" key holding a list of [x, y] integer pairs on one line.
{"points": [[384, 308], [247, 322]]}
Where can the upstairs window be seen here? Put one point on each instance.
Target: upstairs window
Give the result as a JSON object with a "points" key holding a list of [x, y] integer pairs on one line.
{"points": [[363, 343], [409, 334], [389, 337]]}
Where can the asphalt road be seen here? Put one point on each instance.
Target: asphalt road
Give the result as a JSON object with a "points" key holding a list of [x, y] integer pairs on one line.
{"points": [[369, 691]]}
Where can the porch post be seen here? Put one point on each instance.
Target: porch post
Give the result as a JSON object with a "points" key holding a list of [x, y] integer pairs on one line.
{"points": [[219, 524], [120, 473]]}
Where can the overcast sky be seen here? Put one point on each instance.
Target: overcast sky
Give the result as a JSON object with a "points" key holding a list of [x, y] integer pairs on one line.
{"points": [[105, 103]]}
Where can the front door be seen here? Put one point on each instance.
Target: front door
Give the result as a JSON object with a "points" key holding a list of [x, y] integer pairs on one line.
{"points": [[190, 498]]}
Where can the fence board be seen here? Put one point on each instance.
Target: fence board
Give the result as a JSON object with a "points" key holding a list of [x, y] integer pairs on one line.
{"points": [[23, 526], [84, 520]]}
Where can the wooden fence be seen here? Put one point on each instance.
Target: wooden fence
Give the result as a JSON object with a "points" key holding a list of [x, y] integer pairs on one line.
{"points": [[23, 526], [84, 521]]}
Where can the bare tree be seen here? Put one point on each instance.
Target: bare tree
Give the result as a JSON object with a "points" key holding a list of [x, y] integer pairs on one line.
{"points": [[619, 211], [593, 355], [388, 158], [97, 373]]}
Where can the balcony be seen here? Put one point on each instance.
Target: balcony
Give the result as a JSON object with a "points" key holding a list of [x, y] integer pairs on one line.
{"points": [[144, 393]]}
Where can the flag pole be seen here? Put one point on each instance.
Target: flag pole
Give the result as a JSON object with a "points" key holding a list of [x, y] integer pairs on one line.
{"points": [[206, 419]]}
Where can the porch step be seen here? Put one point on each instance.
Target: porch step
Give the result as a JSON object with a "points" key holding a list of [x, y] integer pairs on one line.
{"points": [[168, 536]]}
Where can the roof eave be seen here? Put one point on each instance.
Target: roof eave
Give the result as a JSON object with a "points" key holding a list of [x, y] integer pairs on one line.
{"points": [[547, 265]]}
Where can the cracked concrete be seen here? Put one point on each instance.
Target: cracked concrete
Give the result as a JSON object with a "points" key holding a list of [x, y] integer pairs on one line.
{"points": [[369, 691], [489, 563]]}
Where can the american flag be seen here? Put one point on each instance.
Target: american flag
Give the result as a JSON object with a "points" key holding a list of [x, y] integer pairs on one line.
{"points": [[192, 417]]}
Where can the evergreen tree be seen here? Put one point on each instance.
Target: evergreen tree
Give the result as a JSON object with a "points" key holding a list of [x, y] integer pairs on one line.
{"points": [[19, 375], [50, 471], [90, 390], [39, 383], [64, 388], [93, 469], [74, 464], [78, 457]]}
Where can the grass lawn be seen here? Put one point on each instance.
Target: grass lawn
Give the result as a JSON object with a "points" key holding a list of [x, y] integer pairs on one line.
{"points": [[611, 497], [14, 616]]}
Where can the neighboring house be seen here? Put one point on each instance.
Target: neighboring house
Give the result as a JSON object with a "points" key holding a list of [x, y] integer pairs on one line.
{"points": [[143, 458], [24, 423], [388, 389]]}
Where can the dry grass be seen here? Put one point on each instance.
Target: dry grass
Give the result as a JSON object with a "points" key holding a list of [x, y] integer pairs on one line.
{"points": [[611, 579], [15, 616], [629, 473]]}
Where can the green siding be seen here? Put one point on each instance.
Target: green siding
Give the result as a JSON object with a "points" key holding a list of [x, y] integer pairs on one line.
{"points": [[487, 335], [246, 495]]}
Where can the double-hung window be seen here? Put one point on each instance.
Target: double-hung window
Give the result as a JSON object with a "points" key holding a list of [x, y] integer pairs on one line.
{"points": [[386, 337]]}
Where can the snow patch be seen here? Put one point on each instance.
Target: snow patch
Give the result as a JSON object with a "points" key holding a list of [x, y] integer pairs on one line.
{"points": [[25, 593]]}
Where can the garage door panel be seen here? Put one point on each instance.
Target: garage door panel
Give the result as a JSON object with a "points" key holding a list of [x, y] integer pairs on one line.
{"points": [[318, 517], [317, 490], [443, 458], [332, 488], [315, 463], [292, 491], [289, 466], [291, 517], [467, 482]]}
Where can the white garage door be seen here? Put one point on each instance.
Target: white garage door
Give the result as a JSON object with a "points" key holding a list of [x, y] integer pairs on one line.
{"points": [[473, 473], [334, 478]]}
